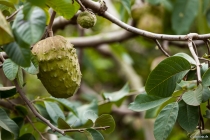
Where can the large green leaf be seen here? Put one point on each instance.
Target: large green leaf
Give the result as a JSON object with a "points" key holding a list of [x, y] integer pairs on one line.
{"points": [[187, 57], [115, 96], [206, 78], [93, 134], [6, 92], [20, 55], [30, 27], [165, 121], [27, 136], [10, 69], [54, 111], [183, 15], [6, 35], [162, 80], [193, 97], [65, 8], [205, 94], [8, 124], [188, 116], [105, 120], [144, 102]]}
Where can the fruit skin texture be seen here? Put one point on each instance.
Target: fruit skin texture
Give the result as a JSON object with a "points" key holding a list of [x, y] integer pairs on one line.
{"points": [[59, 69], [86, 19]]}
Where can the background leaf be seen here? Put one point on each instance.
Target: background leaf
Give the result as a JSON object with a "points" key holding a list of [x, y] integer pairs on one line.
{"points": [[10, 69], [65, 8], [183, 15], [162, 80], [188, 116], [20, 55], [93, 134], [115, 96], [54, 111], [206, 78], [193, 97], [105, 120], [144, 102], [165, 121], [91, 115], [30, 27], [8, 124], [9, 3], [27, 136], [6, 35]]}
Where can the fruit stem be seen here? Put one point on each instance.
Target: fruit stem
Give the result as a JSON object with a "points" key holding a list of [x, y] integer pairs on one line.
{"points": [[49, 28]]}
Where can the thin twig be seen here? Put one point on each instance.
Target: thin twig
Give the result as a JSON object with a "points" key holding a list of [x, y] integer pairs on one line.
{"points": [[195, 48], [191, 48], [83, 129], [22, 94], [11, 17], [43, 138], [49, 28], [161, 48], [82, 6]]}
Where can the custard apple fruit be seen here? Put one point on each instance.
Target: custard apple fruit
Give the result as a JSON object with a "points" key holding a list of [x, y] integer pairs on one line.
{"points": [[86, 19], [59, 69]]}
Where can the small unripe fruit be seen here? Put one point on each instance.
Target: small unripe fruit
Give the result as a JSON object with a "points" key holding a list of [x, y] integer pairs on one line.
{"points": [[86, 19], [59, 69]]}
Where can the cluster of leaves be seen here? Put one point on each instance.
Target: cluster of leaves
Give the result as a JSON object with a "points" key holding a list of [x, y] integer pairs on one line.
{"points": [[169, 98]]}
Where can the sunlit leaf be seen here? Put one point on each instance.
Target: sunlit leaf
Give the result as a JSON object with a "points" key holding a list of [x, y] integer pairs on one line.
{"points": [[165, 121], [6, 35], [65, 8], [187, 57], [9, 3], [163, 79]]}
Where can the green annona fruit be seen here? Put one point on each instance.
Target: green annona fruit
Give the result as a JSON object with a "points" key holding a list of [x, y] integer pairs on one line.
{"points": [[59, 69], [86, 19]]}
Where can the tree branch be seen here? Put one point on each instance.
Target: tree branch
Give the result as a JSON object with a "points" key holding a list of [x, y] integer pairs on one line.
{"points": [[96, 7]]}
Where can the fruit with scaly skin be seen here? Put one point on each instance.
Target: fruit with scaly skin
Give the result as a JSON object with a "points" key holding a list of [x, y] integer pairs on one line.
{"points": [[86, 19], [59, 69]]}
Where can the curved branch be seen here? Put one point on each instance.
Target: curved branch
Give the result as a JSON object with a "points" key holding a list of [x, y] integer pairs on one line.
{"points": [[96, 7]]}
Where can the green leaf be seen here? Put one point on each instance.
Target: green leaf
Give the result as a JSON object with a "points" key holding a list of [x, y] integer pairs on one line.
{"points": [[8, 124], [187, 57], [10, 69], [34, 66], [205, 94], [6, 135], [40, 3], [207, 114], [188, 116], [66, 103], [21, 110], [9, 3], [91, 115], [115, 96], [63, 124], [154, 2], [30, 27], [193, 97], [6, 35], [93, 134], [162, 80], [144, 102], [127, 5], [183, 15], [54, 111], [20, 77], [165, 121], [6, 92], [42, 110], [206, 78], [105, 120], [65, 8], [27, 136], [20, 55]]}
